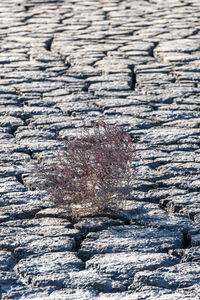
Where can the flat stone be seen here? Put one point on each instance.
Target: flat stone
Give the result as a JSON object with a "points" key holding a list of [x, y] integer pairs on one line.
{"points": [[93, 279], [25, 239], [178, 276], [168, 136], [160, 221], [113, 86], [11, 184], [19, 290], [124, 265], [152, 293], [180, 45], [175, 204], [117, 239], [52, 213], [95, 224], [49, 269]]}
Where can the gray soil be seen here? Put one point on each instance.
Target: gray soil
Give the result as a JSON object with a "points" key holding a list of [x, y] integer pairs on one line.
{"points": [[137, 63]]}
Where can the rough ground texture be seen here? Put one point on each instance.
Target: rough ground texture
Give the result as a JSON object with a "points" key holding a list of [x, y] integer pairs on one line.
{"points": [[137, 63]]}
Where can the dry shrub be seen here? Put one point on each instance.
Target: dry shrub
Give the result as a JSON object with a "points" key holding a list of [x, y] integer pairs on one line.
{"points": [[93, 171]]}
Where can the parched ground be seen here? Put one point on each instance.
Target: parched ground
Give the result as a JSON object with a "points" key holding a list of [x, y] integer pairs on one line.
{"points": [[137, 63]]}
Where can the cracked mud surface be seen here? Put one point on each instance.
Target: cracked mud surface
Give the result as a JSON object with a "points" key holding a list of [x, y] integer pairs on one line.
{"points": [[137, 63]]}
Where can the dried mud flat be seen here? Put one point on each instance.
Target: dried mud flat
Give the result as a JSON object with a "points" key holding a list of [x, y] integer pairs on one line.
{"points": [[137, 63]]}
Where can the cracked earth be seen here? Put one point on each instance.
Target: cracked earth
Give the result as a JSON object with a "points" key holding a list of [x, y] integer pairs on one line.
{"points": [[137, 63]]}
